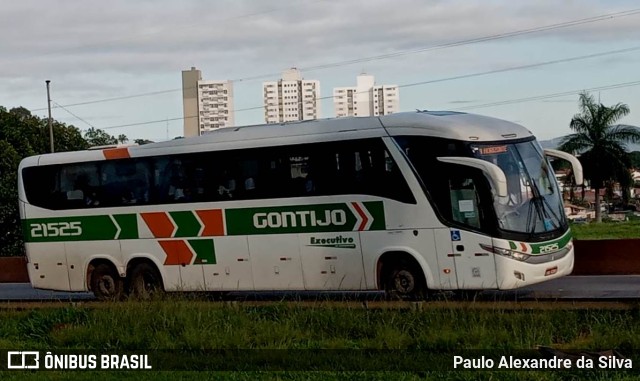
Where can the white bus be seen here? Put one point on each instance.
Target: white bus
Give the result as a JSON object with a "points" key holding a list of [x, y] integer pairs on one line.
{"points": [[406, 203]]}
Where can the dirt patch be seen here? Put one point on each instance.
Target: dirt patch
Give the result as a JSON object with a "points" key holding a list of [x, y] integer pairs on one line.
{"points": [[13, 270], [607, 257]]}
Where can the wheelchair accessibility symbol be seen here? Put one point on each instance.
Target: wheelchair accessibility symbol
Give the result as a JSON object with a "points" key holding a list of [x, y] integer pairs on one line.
{"points": [[455, 235]]}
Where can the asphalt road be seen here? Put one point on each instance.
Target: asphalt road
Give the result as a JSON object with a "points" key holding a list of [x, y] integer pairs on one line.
{"points": [[571, 287]]}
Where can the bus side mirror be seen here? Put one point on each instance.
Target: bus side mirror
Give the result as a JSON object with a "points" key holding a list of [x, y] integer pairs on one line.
{"points": [[575, 163], [493, 172]]}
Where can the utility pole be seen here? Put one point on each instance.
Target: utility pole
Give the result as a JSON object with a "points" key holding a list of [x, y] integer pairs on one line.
{"points": [[50, 123]]}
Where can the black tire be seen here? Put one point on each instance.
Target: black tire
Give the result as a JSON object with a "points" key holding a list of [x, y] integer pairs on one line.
{"points": [[406, 282], [106, 283], [145, 282]]}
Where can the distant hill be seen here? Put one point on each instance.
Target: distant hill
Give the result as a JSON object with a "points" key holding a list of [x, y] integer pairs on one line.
{"points": [[553, 143]]}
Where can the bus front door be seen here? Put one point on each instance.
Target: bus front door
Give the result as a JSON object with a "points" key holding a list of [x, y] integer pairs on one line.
{"points": [[475, 266]]}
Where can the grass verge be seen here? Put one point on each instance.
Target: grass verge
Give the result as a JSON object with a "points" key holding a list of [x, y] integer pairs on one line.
{"points": [[191, 326], [606, 230]]}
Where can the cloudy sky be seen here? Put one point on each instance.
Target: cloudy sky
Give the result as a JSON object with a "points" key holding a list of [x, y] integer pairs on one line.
{"points": [[524, 61]]}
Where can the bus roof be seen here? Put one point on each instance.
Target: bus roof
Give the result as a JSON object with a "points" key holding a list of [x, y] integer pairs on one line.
{"points": [[445, 124]]}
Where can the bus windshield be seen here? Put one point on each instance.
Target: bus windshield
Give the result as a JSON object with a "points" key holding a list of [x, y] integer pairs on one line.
{"points": [[533, 203]]}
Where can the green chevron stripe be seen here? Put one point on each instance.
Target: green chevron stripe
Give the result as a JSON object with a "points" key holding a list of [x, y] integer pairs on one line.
{"points": [[376, 209], [128, 225], [205, 251], [188, 225]]}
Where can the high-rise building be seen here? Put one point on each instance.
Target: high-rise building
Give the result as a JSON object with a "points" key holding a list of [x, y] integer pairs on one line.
{"points": [[206, 105], [215, 105], [291, 98], [190, 80], [366, 98]]}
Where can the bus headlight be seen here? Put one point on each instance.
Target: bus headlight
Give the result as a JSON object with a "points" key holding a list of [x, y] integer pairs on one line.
{"points": [[506, 252]]}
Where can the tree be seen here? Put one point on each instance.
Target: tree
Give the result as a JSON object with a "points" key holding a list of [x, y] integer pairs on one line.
{"points": [[11, 237], [600, 143], [22, 135], [635, 159], [142, 141], [97, 137]]}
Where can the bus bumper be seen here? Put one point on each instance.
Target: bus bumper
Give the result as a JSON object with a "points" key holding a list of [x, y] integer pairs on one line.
{"points": [[512, 273]]}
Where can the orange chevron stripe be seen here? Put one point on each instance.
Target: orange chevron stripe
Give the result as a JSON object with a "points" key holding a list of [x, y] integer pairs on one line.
{"points": [[178, 253], [159, 224], [523, 246], [116, 153], [212, 220]]}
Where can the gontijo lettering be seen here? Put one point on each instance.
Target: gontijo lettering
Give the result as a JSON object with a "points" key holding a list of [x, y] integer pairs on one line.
{"points": [[299, 218]]}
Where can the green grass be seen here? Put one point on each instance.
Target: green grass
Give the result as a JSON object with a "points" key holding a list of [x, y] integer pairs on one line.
{"points": [[188, 326], [195, 325], [606, 230]]}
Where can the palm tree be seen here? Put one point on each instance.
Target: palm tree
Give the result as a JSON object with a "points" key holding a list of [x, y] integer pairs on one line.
{"points": [[600, 143]]}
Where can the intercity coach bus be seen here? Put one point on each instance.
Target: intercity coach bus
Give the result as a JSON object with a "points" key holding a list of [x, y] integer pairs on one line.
{"points": [[405, 203]]}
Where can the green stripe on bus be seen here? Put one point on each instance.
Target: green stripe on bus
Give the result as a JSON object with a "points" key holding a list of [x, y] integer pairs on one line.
{"points": [[376, 209], [128, 225], [205, 251], [265, 220], [300, 219], [83, 228], [537, 248], [188, 225]]}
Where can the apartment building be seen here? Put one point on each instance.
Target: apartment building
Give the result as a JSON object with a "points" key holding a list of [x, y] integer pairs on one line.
{"points": [[215, 105], [206, 104], [291, 98], [366, 98]]}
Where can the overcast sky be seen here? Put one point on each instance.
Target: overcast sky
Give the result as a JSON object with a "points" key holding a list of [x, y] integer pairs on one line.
{"points": [[97, 50]]}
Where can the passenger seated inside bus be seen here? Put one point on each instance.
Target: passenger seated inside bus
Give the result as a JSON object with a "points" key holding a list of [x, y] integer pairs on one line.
{"points": [[177, 182], [227, 187], [83, 194]]}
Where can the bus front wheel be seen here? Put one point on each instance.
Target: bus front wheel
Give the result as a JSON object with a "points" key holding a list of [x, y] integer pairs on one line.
{"points": [[404, 281], [106, 282], [145, 281]]}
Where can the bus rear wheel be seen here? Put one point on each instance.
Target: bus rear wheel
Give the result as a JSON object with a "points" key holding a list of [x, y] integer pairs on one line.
{"points": [[106, 283], [405, 282], [145, 282]]}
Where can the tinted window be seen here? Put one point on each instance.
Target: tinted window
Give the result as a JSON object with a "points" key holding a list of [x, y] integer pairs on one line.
{"points": [[333, 168], [460, 194]]}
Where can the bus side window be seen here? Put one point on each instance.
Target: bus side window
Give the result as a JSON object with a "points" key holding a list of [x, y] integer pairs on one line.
{"points": [[79, 185]]}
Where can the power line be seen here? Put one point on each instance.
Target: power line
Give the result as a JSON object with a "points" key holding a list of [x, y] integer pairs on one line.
{"points": [[76, 116], [566, 24], [528, 66], [547, 96], [499, 103], [484, 38], [421, 83]]}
